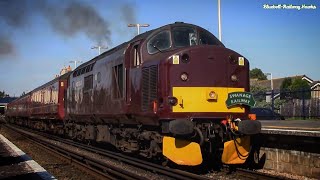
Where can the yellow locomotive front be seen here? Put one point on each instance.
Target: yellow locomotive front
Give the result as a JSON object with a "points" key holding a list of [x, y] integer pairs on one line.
{"points": [[203, 96]]}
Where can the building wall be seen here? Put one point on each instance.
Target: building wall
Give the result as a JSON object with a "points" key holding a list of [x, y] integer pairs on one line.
{"points": [[316, 93], [292, 162]]}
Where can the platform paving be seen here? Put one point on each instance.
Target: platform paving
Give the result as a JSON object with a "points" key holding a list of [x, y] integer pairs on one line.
{"points": [[15, 164], [291, 127]]}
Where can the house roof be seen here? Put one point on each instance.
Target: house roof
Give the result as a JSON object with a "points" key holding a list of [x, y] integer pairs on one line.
{"points": [[6, 100], [278, 81], [314, 84]]}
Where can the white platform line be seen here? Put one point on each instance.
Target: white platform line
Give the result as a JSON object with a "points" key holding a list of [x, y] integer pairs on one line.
{"points": [[288, 130], [36, 168], [16, 150]]}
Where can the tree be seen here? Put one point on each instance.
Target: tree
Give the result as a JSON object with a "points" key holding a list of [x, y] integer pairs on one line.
{"points": [[3, 94], [23, 93], [256, 73], [286, 83], [284, 88], [295, 89], [301, 89], [259, 94]]}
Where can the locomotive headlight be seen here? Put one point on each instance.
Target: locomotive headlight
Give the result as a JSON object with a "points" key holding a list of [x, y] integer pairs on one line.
{"points": [[185, 58], [234, 78], [212, 95], [172, 101], [184, 76]]}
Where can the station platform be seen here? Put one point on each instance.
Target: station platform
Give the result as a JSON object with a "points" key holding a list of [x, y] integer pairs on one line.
{"points": [[15, 164], [291, 127]]}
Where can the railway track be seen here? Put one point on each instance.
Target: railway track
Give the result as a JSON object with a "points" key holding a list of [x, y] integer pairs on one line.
{"points": [[249, 174], [103, 170]]}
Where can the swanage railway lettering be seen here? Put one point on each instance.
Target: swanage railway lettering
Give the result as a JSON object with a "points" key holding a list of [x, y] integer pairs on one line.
{"points": [[240, 98]]}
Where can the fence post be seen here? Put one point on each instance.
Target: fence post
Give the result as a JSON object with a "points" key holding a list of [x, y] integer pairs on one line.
{"points": [[272, 100], [303, 104]]}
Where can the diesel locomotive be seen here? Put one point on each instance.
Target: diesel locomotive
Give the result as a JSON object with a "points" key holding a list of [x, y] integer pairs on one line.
{"points": [[175, 92]]}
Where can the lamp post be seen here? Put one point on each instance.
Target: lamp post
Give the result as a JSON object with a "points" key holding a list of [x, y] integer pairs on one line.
{"points": [[99, 48], [267, 74], [272, 92], [138, 26], [219, 20], [75, 63]]}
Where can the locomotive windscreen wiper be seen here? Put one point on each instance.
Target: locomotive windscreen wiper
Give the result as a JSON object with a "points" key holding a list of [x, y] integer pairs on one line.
{"points": [[156, 47]]}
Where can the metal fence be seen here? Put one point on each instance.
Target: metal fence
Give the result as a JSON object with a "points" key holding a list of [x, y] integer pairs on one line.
{"points": [[302, 104]]}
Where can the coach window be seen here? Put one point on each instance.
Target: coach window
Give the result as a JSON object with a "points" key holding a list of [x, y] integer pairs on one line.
{"points": [[184, 37], [159, 42]]}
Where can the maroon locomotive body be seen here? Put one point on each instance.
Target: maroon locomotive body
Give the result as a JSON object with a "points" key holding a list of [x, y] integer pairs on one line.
{"points": [[175, 90]]}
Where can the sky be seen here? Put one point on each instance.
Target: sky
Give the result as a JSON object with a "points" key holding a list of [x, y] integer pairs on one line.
{"points": [[39, 37]]}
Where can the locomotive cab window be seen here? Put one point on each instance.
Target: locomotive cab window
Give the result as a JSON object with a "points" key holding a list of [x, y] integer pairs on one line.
{"points": [[159, 42], [207, 38], [184, 36]]}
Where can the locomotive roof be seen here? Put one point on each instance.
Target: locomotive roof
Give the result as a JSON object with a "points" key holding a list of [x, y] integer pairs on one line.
{"points": [[141, 36]]}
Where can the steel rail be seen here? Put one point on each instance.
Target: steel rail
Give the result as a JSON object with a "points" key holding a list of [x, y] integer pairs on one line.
{"points": [[172, 173], [93, 166], [152, 167]]}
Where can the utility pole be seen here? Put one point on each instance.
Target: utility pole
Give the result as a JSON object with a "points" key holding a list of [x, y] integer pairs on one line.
{"points": [[75, 63], [138, 26], [99, 48], [219, 20], [267, 74]]}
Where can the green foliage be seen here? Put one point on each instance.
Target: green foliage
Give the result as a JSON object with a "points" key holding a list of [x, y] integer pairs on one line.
{"points": [[256, 73], [23, 93], [285, 88], [301, 89], [259, 93], [299, 84], [256, 89], [295, 89], [286, 84], [3, 94], [278, 102]]}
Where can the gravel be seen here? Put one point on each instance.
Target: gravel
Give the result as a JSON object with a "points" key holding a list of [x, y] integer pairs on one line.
{"points": [[285, 175], [58, 168]]}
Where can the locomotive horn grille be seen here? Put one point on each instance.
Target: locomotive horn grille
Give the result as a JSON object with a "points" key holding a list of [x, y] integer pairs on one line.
{"points": [[149, 87]]}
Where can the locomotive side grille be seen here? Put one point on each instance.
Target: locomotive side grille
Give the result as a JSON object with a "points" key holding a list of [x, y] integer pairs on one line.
{"points": [[149, 86]]}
